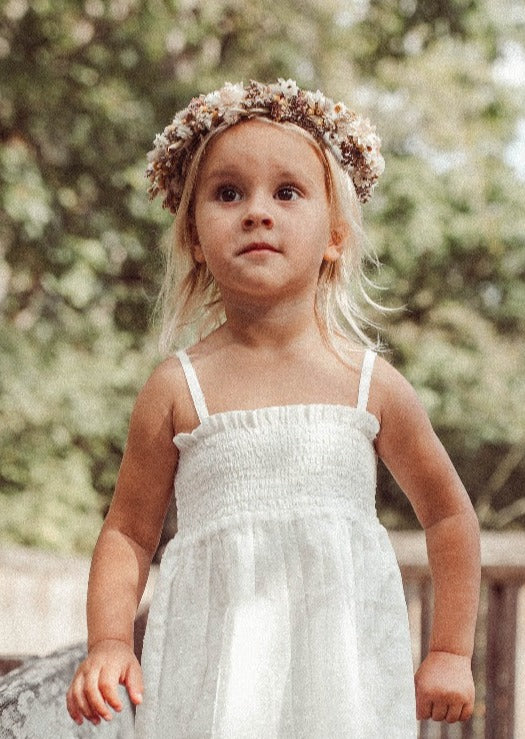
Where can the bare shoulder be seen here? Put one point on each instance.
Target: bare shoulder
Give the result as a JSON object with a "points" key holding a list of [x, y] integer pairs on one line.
{"points": [[160, 396], [404, 421], [163, 385], [166, 380], [412, 451], [145, 481], [392, 397]]}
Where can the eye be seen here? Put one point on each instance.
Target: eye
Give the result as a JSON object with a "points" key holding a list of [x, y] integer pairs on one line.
{"points": [[287, 192], [228, 194]]}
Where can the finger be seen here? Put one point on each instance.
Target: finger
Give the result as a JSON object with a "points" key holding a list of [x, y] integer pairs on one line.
{"points": [[72, 708], [453, 713], [439, 711], [466, 712], [423, 708], [81, 703], [107, 683], [133, 683], [95, 698]]}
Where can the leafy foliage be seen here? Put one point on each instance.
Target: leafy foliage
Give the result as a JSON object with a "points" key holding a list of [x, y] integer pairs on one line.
{"points": [[86, 85]]}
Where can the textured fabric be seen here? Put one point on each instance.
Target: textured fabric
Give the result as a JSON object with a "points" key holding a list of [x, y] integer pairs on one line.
{"points": [[279, 610]]}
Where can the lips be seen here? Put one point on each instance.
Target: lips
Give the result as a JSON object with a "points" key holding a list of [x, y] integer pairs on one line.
{"points": [[258, 246]]}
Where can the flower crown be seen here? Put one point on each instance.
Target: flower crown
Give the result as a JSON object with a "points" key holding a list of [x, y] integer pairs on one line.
{"points": [[351, 139]]}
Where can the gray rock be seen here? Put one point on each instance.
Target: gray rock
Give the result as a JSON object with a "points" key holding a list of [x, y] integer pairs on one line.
{"points": [[33, 702]]}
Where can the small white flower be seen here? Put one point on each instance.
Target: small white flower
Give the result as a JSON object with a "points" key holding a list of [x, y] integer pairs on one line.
{"points": [[231, 116], [204, 119], [363, 129], [183, 131], [213, 99], [377, 164], [346, 128], [160, 141], [317, 97], [287, 87], [231, 95], [180, 116]]}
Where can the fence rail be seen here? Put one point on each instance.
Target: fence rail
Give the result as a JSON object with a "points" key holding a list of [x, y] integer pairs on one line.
{"points": [[499, 661]]}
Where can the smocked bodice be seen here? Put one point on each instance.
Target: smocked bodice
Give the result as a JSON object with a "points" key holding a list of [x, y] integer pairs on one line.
{"points": [[285, 459]]}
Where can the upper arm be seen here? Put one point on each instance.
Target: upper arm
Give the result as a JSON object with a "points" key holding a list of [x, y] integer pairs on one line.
{"points": [[145, 481], [411, 450]]}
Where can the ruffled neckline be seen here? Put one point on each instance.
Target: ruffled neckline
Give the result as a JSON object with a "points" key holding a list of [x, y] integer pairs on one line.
{"points": [[309, 413]]}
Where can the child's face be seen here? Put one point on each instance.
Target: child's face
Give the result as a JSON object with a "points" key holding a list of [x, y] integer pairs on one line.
{"points": [[262, 216]]}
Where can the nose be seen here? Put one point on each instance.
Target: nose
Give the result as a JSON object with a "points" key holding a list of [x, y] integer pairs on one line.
{"points": [[257, 214]]}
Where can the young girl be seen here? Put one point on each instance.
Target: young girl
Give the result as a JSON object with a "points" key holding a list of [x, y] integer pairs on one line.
{"points": [[279, 608]]}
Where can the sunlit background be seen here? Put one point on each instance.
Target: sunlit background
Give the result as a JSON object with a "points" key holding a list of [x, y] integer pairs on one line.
{"points": [[85, 86]]}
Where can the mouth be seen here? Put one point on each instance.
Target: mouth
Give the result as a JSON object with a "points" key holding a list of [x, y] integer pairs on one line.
{"points": [[258, 246]]}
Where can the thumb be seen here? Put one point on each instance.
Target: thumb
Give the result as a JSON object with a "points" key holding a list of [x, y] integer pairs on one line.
{"points": [[134, 683]]}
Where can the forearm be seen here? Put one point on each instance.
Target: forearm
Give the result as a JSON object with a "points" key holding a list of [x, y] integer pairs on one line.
{"points": [[119, 571], [454, 557]]}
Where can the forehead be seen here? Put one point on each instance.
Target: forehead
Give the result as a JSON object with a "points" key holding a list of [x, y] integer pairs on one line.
{"points": [[259, 143]]}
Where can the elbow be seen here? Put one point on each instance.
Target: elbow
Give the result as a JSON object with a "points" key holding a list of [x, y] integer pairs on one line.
{"points": [[455, 536], [463, 519]]}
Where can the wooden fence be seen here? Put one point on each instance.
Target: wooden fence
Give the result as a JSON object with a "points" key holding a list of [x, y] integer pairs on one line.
{"points": [[499, 661]]}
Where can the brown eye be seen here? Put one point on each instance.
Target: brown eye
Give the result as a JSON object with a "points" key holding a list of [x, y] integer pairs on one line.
{"points": [[288, 192], [228, 194]]}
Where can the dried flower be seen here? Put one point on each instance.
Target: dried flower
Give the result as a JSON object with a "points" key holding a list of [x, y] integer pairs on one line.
{"points": [[351, 138]]}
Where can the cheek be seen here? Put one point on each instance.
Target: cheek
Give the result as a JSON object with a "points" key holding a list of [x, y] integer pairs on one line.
{"points": [[207, 224], [212, 238]]}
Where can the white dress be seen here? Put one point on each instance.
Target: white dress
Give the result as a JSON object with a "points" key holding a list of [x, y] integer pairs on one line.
{"points": [[279, 610]]}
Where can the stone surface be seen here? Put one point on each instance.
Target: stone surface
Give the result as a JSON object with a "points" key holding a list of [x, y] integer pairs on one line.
{"points": [[33, 702]]}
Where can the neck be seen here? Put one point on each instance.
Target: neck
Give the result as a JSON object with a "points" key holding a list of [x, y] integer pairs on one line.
{"points": [[280, 326]]}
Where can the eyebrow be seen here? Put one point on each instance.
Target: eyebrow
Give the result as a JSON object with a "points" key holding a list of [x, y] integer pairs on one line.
{"points": [[220, 173]]}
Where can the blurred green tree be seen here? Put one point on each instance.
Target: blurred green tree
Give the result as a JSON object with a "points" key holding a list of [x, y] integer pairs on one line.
{"points": [[449, 227], [86, 85]]}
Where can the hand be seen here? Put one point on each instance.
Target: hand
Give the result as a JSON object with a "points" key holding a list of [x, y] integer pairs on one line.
{"points": [[94, 687], [445, 688]]}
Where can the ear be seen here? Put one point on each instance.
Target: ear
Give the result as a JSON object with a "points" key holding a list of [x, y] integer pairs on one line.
{"points": [[196, 248], [334, 248], [198, 254]]}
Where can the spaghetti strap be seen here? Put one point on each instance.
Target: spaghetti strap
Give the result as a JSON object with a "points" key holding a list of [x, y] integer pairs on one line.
{"points": [[193, 385], [366, 378]]}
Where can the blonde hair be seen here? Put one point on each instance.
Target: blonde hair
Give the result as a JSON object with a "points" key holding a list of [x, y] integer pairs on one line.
{"points": [[189, 296]]}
